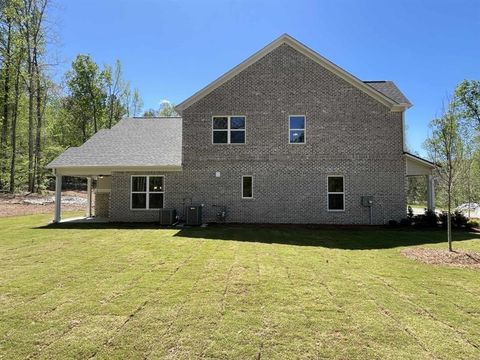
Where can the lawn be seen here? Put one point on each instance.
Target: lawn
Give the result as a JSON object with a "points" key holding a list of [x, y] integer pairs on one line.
{"points": [[231, 292]]}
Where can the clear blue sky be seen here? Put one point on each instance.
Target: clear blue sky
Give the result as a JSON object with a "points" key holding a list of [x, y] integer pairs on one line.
{"points": [[171, 48]]}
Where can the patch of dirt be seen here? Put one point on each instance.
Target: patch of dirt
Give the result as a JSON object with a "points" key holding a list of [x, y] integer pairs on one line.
{"points": [[458, 258], [29, 204]]}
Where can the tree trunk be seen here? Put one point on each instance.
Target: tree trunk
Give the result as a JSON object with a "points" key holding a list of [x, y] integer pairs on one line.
{"points": [[449, 225], [38, 140], [31, 169], [6, 103], [449, 202], [14, 129]]}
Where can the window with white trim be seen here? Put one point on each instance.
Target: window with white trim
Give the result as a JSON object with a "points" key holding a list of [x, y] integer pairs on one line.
{"points": [[247, 187], [296, 129], [147, 192], [336, 193], [228, 129]]}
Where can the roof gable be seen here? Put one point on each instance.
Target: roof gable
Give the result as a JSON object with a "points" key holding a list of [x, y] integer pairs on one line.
{"points": [[287, 39]]}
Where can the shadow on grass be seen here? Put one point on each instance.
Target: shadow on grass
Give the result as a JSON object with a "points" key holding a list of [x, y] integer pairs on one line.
{"points": [[334, 237]]}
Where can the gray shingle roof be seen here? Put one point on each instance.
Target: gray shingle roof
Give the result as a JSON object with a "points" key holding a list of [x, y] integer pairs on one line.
{"points": [[389, 89], [132, 142]]}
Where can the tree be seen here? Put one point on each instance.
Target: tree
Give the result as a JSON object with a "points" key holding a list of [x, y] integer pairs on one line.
{"points": [[87, 94], [149, 113], [137, 102], [446, 147], [467, 99], [167, 109], [116, 91]]}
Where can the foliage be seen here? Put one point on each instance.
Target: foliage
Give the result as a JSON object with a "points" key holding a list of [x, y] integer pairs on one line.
{"points": [[458, 219], [40, 118], [447, 146], [429, 219], [467, 99], [167, 109], [409, 213]]}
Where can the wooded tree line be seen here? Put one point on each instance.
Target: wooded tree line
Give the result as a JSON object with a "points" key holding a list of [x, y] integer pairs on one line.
{"points": [[40, 117]]}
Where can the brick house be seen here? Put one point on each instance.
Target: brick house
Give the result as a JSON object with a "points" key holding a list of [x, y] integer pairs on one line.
{"points": [[284, 137]]}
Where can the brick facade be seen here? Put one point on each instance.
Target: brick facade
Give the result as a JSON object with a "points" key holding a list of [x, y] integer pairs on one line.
{"points": [[347, 133], [102, 205]]}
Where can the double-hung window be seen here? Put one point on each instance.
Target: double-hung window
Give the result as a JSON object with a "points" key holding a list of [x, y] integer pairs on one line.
{"points": [[296, 129], [228, 129], [147, 192], [336, 193]]}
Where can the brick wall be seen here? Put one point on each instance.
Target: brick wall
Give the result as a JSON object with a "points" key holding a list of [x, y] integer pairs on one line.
{"points": [[347, 133], [102, 204]]}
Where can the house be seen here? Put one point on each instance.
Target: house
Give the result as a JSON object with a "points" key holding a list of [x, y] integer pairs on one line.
{"points": [[284, 137]]}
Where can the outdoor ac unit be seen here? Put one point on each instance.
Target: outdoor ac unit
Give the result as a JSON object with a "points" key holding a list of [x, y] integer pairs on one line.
{"points": [[193, 215], [167, 217]]}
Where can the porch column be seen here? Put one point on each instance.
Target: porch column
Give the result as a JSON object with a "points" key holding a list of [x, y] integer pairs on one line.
{"points": [[58, 198], [430, 193], [89, 197]]}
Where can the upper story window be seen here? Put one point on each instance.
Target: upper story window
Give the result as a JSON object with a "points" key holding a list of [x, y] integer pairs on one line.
{"points": [[336, 193], [228, 129], [296, 129], [147, 192]]}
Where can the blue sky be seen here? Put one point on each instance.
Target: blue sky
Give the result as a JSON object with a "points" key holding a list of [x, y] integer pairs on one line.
{"points": [[171, 48]]}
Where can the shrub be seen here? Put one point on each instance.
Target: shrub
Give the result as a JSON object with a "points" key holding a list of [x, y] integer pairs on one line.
{"points": [[410, 213], [458, 220], [431, 218], [392, 223], [473, 224], [428, 220], [406, 222]]}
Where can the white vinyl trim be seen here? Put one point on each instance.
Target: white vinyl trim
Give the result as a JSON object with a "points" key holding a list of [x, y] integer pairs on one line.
{"points": [[336, 192], [147, 192], [229, 130], [243, 177], [304, 129]]}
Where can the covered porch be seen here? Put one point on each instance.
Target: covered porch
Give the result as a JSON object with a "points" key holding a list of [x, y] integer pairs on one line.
{"points": [[417, 166], [97, 207]]}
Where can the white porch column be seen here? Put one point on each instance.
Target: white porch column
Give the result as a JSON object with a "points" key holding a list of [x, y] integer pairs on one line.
{"points": [[89, 197], [430, 193], [58, 198]]}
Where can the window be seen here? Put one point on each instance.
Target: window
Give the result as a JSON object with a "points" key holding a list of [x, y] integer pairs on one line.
{"points": [[296, 129], [336, 193], [247, 187], [147, 192], [228, 129]]}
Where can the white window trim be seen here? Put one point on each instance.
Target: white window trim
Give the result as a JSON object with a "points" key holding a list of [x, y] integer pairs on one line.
{"points": [[336, 192], [229, 130], [146, 192], [243, 197], [304, 130]]}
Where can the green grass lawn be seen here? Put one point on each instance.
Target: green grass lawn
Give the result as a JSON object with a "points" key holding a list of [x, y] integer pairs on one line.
{"points": [[231, 292]]}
